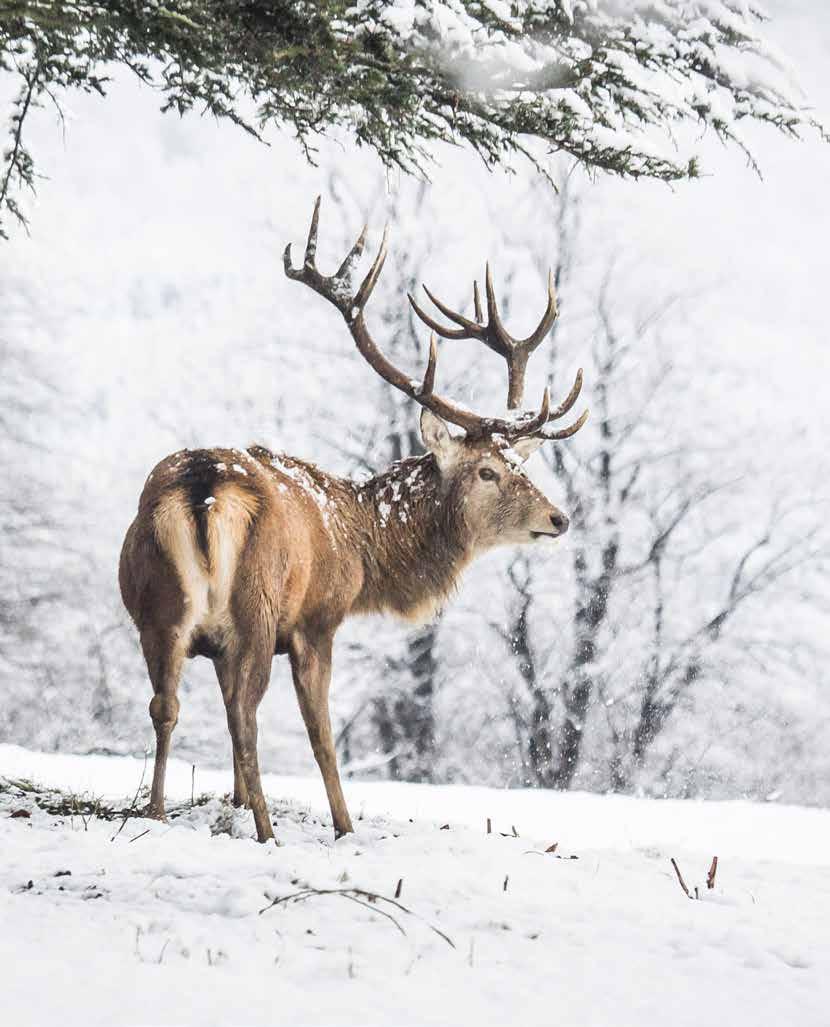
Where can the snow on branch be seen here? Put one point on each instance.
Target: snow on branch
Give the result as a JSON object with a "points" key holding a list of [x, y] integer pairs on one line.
{"points": [[600, 80]]}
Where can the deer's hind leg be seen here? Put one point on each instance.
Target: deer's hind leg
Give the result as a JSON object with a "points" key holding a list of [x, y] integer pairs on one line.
{"points": [[227, 681], [164, 656], [244, 676]]}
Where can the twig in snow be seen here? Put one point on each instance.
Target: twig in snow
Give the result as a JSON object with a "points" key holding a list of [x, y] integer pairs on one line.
{"points": [[710, 878], [192, 785], [398, 888], [411, 966], [549, 851], [680, 878], [513, 829], [135, 837], [347, 893], [84, 820], [506, 879], [489, 826], [131, 810], [362, 898]]}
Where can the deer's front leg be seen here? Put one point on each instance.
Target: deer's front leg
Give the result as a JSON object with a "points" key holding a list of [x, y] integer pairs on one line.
{"points": [[311, 669]]}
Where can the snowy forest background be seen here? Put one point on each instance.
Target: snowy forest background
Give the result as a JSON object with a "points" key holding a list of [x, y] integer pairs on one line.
{"points": [[148, 310]]}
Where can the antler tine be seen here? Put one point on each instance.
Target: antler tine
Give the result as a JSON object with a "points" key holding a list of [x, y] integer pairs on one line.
{"points": [[530, 342], [286, 262], [370, 281], [311, 244], [308, 273], [430, 322], [565, 433], [499, 335], [428, 383], [345, 270], [472, 329], [468, 329], [545, 325], [535, 426], [569, 400]]}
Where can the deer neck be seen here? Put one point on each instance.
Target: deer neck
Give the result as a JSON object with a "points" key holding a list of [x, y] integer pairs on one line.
{"points": [[412, 542]]}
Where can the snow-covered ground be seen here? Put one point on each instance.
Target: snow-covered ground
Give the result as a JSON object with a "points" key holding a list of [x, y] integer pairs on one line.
{"points": [[161, 923]]}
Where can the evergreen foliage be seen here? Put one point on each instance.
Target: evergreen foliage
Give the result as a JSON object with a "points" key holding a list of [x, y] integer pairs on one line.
{"points": [[600, 80]]}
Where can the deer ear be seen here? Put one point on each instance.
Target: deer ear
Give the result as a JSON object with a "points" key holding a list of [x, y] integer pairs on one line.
{"points": [[437, 439], [525, 447]]}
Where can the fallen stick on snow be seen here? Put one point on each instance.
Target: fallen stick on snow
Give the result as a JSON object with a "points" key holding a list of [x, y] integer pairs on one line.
{"points": [[362, 898], [710, 877], [680, 878]]}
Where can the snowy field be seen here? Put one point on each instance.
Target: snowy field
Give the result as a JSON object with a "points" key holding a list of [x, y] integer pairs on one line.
{"points": [[163, 923]]}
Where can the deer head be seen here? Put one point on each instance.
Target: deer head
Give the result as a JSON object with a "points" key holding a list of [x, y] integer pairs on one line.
{"points": [[480, 471], [483, 480]]}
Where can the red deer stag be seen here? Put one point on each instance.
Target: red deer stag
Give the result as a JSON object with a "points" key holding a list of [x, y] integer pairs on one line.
{"points": [[238, 555]]}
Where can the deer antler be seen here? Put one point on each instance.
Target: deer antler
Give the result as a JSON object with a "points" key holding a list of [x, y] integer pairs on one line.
{"points": [[494, 335], [338, 289]]}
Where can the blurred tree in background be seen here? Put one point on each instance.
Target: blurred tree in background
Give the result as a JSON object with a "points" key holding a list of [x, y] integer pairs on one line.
{"points": [[680, 578]]}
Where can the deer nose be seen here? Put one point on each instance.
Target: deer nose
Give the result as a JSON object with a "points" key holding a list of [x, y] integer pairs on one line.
{"points": [[559, 521]]}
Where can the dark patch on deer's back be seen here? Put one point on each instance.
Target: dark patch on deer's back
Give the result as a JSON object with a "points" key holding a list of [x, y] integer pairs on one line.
{"points": [[198, 478]]}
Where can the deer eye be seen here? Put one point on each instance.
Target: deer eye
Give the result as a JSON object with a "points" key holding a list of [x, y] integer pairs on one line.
{"points": [[487, 474]]}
